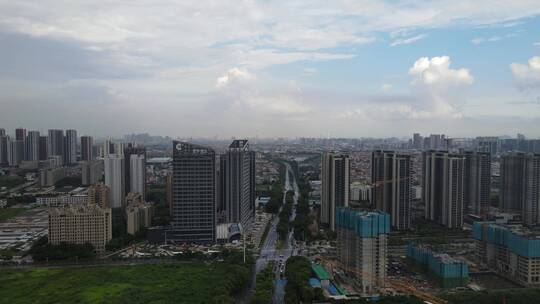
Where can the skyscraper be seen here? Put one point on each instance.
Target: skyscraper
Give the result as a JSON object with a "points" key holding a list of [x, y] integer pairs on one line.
{"points": [[520, 180], [114, 179], [237, 183], [70, 147], [443, 175], [138, 165], [2, 132], [335, 172], [137, 174], [3, 149], [20, 134], [193, 218], [391, 176], [55, 144], [87, 148], [477, 183], [418, 141], [43, 148], [15, 152], [32, 146]]}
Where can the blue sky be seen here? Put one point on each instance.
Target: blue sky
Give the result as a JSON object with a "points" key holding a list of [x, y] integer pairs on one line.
{"points": [[272, 68]]}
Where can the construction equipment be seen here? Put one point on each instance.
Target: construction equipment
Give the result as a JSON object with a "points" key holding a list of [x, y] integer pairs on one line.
{"points": [[388, 282]]}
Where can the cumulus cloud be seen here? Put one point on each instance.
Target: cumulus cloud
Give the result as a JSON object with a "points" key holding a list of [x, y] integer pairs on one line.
{"points": [[437, 72], [234, 74], [409, 40], [527, 75]]}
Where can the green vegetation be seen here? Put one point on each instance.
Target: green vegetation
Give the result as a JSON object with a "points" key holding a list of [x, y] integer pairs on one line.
{"points": [[10, 181], [158, 195], [298, 272], [427, 232], [42, 251], [23, 199], [69, 181], [187, 282], [8, 213], [509, 296], [265, 233], [276, 198], [303, 219], [283, 226], [264, 286], [125, 239]]}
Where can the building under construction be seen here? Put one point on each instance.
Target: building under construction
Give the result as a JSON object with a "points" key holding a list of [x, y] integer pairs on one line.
{"points": [[362, 246], [448, 272]]}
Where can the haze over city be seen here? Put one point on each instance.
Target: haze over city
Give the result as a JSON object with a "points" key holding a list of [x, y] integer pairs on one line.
{"points": [[271, 68]]}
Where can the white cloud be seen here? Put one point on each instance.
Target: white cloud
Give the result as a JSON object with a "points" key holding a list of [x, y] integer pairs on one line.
{"points": [[527, 75], [386, 87], [537, 44], [480, 40], [409, 40], [234, 74], [437, 72], [310, 71]]}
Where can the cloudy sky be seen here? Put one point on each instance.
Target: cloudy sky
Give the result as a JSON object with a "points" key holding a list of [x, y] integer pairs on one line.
{"points": [[349, 68]]}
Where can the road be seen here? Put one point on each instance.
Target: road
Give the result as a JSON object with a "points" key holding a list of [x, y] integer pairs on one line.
{"points": [[269, 252]]}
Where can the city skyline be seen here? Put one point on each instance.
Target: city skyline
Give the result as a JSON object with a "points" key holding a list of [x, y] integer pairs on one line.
{"points": [[371, 69]]}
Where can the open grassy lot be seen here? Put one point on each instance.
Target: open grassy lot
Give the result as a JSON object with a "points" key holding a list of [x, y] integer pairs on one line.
{"points": [[8, 213], [179, 283]]}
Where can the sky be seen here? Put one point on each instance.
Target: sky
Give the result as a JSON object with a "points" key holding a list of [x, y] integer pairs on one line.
{"points": [[306, 68]]}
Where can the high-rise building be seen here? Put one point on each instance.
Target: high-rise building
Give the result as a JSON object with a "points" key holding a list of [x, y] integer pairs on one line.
{"points": [[237, 183], [135, 171], [114, 179], [443, 176], [98, 194], [3, 149], [70, 147], [2, 132], [193, 209], [137, 174], [108, 148], [20, 134], [91, 171], [87, 148], [43, 148], [15, 152], [32, 146], [391, 176], [490, 144], [362, 241], [477, 183], [520, 185], [80, 224], [335, 172], [55, 144], [418, 141]]}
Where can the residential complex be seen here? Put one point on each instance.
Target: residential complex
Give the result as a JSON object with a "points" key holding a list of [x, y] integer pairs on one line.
{"points": [[391, 178], [335, 172], [80, 224], [362, 246]]}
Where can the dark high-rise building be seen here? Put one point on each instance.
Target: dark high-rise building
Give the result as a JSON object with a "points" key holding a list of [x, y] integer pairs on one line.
{"points": [[477, 183], [55, 144], [443, 175], [2, 132], [391, 176], [130, 150], [15, 152], [87, 148], [520, 177], [3, 149], [43, 148], [20, 134], [70, 146], [237, 183], [32, 146], [335, 172], [193, 209]]}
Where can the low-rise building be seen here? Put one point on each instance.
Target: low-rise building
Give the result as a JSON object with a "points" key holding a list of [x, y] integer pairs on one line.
{"points": [[362, 241], [448, 272], [513, 251], [55, 201], [49, 177], [80, 224]]}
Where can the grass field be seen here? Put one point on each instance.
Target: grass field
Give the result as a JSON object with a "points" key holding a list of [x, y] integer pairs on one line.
{"points": [[178, 283], [10, 213]]}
